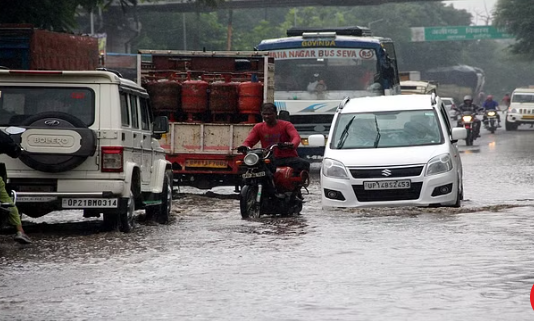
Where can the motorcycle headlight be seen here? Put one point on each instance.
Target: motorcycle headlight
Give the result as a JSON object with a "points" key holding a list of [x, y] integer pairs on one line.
{"points": [[439, 164], [467, 118], [335, 169], [491, 113], [251, 159]]}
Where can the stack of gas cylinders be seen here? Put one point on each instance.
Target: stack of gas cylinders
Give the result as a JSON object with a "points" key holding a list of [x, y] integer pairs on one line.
{"points": [[209, 98]]}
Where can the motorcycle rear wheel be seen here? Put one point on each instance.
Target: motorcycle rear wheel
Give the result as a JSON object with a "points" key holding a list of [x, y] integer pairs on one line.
{"points": [[247, 202]]}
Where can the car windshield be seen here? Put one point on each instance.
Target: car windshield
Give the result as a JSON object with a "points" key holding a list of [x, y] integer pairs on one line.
{"points": [[523, 98], [19, 103], [386, 129]]}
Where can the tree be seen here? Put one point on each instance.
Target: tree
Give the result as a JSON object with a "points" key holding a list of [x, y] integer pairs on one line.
{"points": [[60, 15], [516, 17]]}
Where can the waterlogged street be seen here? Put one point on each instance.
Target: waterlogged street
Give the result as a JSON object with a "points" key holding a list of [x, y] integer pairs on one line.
{"points": [[471, 263]]}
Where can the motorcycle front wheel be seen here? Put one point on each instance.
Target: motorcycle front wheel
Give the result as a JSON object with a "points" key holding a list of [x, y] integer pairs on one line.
{"points": [[469, 138], [247, 202]]}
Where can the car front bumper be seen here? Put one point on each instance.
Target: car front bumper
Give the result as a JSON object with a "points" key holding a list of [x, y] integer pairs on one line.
{"points": [[519, 118], [350, 192]]}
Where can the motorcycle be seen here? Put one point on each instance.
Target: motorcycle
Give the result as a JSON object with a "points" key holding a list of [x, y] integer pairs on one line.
{"points": [[490, 120], [267, 190], [467, 120]]}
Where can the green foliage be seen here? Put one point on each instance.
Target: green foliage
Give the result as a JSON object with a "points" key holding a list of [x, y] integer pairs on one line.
{"points": [[60, 15], [56, 15], [516, 16]]}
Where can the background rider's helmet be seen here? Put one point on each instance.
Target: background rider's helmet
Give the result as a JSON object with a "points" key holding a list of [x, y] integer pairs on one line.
{"points": [[467, 97]]}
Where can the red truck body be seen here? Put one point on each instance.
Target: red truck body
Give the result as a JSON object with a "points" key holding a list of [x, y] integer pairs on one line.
{"points": [[24, 47], [213, 100]]}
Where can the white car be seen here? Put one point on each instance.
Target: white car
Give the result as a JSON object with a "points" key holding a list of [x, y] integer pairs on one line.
{"points": [[391, 151], [521, 110]]}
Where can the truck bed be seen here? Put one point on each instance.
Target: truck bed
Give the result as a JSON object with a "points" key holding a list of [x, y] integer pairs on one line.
{"points": [[204, 138]]}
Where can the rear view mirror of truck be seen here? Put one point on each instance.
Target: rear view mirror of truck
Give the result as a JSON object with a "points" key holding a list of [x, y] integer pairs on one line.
{"points": [[161, 126]]}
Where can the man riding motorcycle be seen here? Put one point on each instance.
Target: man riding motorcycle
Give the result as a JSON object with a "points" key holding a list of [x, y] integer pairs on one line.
{"points": [[468, 106], [490, 104], [272, 131]]}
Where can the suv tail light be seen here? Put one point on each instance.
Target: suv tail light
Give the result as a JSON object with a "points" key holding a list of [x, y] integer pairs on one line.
{"points": [[112, 158]]}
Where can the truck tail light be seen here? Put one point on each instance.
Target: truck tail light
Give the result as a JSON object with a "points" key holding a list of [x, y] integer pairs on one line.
{"points": [[112, 159]]}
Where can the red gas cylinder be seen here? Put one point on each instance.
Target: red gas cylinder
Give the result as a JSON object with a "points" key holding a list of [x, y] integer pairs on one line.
{"points": [[250, 99], [194, 97], [165, 96], [223, 97]]}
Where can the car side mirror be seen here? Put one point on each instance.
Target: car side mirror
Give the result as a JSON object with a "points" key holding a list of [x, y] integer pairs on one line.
{"points": [[458, 133], [160, 126], [316, 140]]}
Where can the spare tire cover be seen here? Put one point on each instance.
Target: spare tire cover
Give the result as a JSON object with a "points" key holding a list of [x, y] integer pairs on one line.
{"points": [[53, 162]]}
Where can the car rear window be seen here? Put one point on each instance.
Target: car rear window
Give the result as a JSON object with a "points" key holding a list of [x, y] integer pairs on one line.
{"points": [[19, 103]]}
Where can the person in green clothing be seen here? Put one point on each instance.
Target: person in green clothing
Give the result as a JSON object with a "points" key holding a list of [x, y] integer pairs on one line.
{"points": [[9, 147]]}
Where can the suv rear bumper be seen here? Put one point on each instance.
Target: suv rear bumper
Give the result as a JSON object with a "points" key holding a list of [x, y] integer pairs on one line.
{"points": [[97, 194]]}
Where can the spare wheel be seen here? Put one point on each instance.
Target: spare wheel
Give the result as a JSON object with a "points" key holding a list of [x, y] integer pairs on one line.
{"points": [[56, 142]]}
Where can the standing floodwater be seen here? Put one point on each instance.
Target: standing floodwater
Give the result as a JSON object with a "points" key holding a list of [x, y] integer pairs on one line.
{"points": [[471, 263]]}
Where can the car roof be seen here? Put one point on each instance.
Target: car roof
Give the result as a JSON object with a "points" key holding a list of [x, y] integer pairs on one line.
{"points": [[388, 103], [527, 90]]}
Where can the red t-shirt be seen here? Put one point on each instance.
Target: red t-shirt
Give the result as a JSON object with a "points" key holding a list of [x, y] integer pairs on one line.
{"points": [[282, 132]]}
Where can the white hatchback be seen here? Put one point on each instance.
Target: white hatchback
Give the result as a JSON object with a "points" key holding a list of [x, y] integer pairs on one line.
{"points": [[391, 151]]}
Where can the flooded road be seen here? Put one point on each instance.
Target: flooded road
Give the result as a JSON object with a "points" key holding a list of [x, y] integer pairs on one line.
{"points": [[470, 263]]}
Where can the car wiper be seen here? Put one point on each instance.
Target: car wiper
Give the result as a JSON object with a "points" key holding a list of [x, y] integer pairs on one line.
{"points": [[377, 139], [344, 134]]}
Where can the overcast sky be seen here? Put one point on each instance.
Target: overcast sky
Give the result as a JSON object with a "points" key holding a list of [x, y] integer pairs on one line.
{"points": [[477, 8]]}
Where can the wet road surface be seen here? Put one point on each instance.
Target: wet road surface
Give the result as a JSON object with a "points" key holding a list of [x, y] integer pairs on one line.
{"points": [[471, 263]]}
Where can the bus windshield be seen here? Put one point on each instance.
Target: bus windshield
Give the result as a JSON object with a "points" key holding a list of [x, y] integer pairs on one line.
{"points": [[346, 72]]}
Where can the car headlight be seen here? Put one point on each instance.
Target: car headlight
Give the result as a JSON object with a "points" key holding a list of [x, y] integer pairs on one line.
{"points": [[439, 164], [251, 159], [334, 168]]}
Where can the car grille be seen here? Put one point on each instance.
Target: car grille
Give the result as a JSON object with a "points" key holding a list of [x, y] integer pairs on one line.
{"points": [[526, 111], [386, 172], [411, 193]]}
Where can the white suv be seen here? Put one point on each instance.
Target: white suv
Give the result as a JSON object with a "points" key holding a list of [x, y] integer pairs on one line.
{"points": [[91, 143], [521, 110], [391, 151]]}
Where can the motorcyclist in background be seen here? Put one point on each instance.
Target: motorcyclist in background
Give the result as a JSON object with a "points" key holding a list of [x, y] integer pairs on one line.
{"points": [[490, 104], [468, 105]]}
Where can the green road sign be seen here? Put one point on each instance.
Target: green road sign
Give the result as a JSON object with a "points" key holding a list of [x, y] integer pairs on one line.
{"points": [[448, 33]]}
